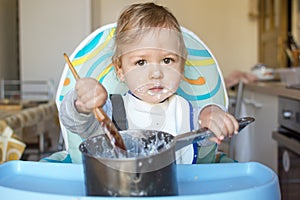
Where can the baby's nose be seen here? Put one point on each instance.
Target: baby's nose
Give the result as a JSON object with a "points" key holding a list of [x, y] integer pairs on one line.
{"points": [[156, 73]]}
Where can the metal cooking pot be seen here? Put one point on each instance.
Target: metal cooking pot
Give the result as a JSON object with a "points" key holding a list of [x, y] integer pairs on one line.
{"points": [[148, 168]]}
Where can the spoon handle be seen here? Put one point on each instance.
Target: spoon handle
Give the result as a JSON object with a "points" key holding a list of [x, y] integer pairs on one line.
{"points": [[244, 121], [71, 67]]}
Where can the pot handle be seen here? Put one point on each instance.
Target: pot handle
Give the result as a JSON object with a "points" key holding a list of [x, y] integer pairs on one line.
{"points": [[202, 135]]}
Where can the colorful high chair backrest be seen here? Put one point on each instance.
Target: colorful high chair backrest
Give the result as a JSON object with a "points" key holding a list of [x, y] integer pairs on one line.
{"points": [[203, 83]]}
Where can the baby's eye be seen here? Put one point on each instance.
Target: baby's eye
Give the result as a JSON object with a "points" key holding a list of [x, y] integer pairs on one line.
{"points": [[141, 62], [168, 60]]}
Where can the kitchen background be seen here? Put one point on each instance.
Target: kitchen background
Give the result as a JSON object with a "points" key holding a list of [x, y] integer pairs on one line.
{"points": [[240, 33], [35, 34]]}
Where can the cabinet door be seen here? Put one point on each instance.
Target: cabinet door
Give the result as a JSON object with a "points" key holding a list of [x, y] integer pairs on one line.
{"points": [[273, 22], [259, 146]]}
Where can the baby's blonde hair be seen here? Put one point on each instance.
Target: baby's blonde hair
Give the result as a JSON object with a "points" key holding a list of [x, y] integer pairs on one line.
{"points": [[140, 16]]}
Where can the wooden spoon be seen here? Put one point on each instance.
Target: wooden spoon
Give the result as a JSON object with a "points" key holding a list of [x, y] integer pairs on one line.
{"points": [[108, 126]]}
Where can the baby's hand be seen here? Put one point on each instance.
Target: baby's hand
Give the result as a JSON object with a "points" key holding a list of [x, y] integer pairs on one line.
{"points": [[90, 94], [222, 124]]}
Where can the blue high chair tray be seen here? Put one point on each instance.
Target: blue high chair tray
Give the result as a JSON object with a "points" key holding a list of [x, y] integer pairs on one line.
{"points": [[39, 180]]}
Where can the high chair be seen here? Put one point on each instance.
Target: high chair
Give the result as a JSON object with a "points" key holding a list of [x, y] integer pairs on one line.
{"points": [[203, 82]]}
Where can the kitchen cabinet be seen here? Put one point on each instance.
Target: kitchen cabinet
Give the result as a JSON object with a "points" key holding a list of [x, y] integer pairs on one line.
{"points": [[256, 143]]}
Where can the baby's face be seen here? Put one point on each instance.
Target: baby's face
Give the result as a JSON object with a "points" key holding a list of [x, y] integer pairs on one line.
{"points": [[152, 63], [151, 74]]}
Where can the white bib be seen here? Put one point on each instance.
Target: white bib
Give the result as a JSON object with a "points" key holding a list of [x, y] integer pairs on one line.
{"points": [[172, 116]]}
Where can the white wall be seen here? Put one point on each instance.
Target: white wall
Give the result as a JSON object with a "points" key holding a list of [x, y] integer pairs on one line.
{"points": [[49, 28], [224, 25]]}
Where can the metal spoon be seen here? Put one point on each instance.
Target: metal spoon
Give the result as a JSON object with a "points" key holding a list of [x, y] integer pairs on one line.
{"points": [[199, 136]]}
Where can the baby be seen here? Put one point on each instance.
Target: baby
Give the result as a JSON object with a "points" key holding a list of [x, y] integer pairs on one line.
{"points": [[149, 58]]}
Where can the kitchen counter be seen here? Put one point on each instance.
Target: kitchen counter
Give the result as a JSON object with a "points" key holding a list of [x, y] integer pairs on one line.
{"points": [[275, 88], [261, 101]]}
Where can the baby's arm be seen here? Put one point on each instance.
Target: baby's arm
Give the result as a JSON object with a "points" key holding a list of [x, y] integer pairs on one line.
{"points": [[221, 123]]}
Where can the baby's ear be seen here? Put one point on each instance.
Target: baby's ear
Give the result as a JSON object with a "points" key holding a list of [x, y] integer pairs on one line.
{"points": [[119, 70], [120, 74]]}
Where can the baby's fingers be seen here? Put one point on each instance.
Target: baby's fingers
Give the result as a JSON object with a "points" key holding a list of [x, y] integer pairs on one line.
{"points": [[215, 139], [234, 124], [218, 131]]}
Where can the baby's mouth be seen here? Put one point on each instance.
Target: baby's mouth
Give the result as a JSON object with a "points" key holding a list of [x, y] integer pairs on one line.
{"points": [[157, 90]]}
